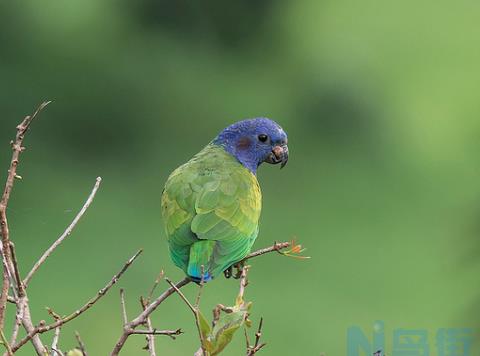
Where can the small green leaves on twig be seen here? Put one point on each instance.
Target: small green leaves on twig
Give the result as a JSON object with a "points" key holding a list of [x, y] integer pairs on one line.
{"points": [[294, 251]]}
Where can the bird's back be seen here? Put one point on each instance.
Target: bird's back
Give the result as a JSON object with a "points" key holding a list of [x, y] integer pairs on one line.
{"points": [[211, 206]]}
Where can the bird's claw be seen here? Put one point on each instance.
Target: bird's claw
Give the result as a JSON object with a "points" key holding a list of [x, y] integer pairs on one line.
{"points": [[239, 269], [228, 272]]}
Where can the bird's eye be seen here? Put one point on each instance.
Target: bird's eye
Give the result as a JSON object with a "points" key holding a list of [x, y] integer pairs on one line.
{"points": [[262, 138]]}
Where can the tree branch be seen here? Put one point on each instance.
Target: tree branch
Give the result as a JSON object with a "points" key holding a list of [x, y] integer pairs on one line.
{"points": [[12, 175], [142, 317], [194, 310], [253, 349], [276, 247], [43, 328], [157, 332], [81, 345], [56, 337]]}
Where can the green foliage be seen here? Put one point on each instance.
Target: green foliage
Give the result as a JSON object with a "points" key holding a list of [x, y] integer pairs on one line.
{"points": [[75, 352], [229, 321]]}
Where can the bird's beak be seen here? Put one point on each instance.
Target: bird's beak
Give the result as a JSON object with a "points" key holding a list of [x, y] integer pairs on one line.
{"points": [[279, 154]]}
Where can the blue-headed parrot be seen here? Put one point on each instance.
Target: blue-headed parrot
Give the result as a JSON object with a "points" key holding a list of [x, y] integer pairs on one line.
{"points": [[211, 204]]}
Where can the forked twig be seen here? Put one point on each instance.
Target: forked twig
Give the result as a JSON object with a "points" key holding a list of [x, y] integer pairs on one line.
{"points": [[81, 345], [56, 337], [141, 319], [253, 349], [194, 310], [43, 328]]}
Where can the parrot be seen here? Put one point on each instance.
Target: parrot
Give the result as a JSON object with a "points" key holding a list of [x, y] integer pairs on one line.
{"points": [[211, 204]]}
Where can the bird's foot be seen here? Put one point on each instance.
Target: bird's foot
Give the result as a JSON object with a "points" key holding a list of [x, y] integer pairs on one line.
{"points": [[228, 272], [239, 269]]}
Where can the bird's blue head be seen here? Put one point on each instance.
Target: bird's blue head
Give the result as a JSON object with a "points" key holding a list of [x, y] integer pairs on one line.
{"points": [[255, 141]]}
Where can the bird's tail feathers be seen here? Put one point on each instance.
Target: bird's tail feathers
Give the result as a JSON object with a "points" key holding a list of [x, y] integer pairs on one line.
{"points": [[200, 255]]}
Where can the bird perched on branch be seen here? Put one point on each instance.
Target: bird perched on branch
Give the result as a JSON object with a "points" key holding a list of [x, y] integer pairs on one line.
{"points": [[211, 204]]}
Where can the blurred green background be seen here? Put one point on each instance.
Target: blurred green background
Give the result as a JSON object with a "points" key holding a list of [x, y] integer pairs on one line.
{"points": [[381, 103]]}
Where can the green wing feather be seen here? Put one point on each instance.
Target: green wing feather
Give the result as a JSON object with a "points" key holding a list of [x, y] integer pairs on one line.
{"points": [[211, 206]]}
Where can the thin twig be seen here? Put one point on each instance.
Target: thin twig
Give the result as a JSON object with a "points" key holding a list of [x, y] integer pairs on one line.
{"points": [[20, 294], [124, 308], [58, 352], [18, 279], [81, 345], [179, 292], [157, 332], [30, 329], [11, 276], [23, 308], [252, 350], [155, 284], [194, 310], [276, 247], [148, 323], [56, 337], [18, 320], [4, 230], [6, 344], [142, 317], [65, 234], [43, 328]]}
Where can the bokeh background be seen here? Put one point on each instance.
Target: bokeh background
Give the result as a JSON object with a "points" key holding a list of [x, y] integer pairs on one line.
{"points": [[381, 103]]}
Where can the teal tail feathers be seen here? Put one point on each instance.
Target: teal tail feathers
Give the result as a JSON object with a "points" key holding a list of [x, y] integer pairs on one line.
{"points": [[200, 255]]}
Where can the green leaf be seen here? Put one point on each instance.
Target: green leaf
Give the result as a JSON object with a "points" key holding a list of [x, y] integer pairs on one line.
{"points": [[224, 337], [227, 325], [205, 328], [74, 352]]}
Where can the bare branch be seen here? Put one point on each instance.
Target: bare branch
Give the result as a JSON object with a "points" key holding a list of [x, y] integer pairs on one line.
{"points": [[252, 350], [276, 247], [56, 337], [43, 328], [18, 320], [18, 279], [81, 345], [194, 310], [23, 308], [8, 266], [4, 230], [65, 234], [58, 352], [30, 329], [157, 332], [148, 323], [124, 308], [142, 317], [155, 284]]}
